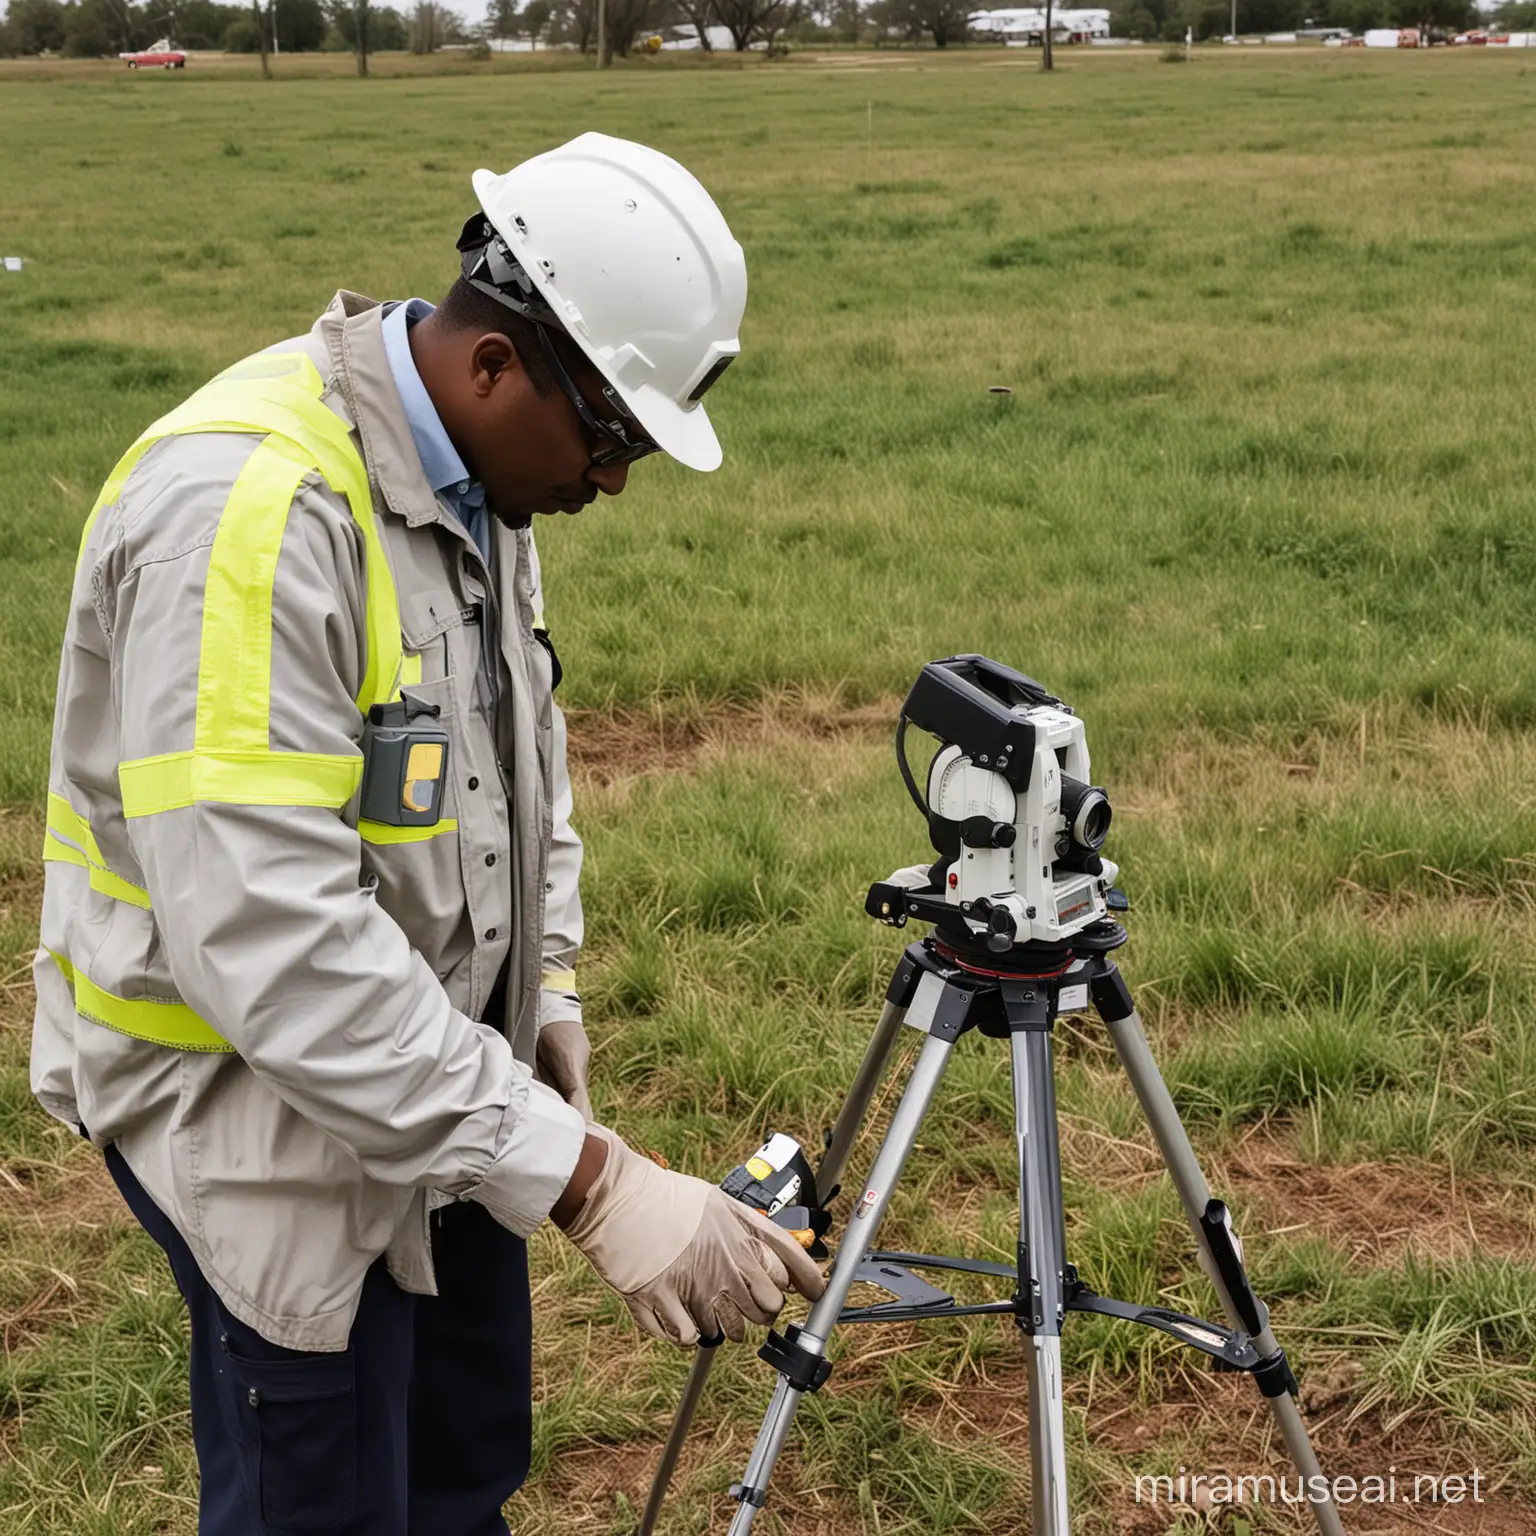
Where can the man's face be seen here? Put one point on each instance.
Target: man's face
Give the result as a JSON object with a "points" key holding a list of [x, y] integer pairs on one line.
{"points": [[531, 451]]}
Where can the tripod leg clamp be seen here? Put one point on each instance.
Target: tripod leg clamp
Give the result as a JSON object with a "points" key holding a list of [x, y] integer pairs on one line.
{"points": [[804, 1371], [1275, 1376], [1216, 1224], [756, 1497]]}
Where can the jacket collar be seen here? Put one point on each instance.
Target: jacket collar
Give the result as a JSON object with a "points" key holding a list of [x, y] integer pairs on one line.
{"points": [[352, 330]]}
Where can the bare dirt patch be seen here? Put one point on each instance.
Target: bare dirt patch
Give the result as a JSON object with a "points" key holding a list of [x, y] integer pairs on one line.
{"points": [[1377, 1211], [613, 746]]}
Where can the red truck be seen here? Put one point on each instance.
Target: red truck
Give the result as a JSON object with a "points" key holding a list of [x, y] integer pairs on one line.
{"points": [[160, 55]]}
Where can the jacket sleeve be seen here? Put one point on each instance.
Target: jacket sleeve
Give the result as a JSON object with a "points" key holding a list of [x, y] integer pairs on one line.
{"points": [[564, 927], [258, 898]]}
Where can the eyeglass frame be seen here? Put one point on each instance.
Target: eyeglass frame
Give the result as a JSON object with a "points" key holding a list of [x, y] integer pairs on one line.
{"points": [[628, 438]]}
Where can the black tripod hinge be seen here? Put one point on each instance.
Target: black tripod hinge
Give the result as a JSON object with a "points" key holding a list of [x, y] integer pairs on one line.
{"points": [[904, 981], [756, 1497], [804, 1371], [1111, 996], [1275, 1376], [1216, 1224], [1027, 1005]]}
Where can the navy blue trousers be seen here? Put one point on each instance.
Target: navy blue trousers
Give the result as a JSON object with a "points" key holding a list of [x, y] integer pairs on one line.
{"points": [[422, 1427]]}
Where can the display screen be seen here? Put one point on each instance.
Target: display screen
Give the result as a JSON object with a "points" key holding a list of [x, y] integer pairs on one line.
{"points": [[1074, 904]]}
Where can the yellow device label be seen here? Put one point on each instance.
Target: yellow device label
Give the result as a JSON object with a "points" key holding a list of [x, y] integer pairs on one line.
{"points": [[758, 1168], [423, 768], [425, 761]]}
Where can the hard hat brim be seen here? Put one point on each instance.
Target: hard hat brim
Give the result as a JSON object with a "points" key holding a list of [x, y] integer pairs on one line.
{"points": [[685, 435]]}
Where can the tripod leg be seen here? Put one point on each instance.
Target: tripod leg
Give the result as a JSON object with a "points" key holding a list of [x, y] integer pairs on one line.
{"points": [[810, 1345], [845, 1132], [850, 1119], [1042, 1274], [839, 1148], [703, 1360], [1220, 1256]]}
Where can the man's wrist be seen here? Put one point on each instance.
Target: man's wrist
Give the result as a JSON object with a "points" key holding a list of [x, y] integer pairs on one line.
{"points": [[593, 1158]]}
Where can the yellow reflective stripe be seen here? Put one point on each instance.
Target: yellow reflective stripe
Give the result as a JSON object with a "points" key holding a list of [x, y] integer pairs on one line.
{"points": [[103, 880], [234, 674], [70, 841], [279, 394], [66, 825], [176, 779], [172, 1024], [558, 981], [110, 491], [382, 834], [295, 367], [57, 851]]}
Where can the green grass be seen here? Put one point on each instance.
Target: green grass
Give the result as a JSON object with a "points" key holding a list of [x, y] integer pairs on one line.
{"points": [[1259, 505]]}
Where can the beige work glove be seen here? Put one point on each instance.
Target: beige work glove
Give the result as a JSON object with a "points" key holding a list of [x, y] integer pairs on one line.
{"points": [[560, 1061], [688, 1260]]}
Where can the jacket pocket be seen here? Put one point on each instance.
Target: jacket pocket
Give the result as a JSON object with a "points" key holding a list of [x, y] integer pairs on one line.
{"points": [[298, 1433]]}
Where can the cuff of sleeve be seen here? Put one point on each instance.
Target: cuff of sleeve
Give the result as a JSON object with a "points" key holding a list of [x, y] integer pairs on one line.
{"points": [[556, 1006], [537, 1160]]}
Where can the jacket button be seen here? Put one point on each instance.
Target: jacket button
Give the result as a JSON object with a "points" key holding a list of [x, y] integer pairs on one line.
{"points": [[490, 858], [253, 1397], [490, 933], [474, 783]]}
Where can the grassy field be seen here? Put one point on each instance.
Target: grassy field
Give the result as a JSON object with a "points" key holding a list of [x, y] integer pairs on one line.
{"points": [[1260, 505]]}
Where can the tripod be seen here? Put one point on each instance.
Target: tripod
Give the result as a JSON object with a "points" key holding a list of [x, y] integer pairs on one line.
{"points": [[946, 987]]}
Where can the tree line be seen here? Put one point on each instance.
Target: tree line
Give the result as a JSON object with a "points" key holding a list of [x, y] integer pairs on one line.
{"points": [[97, 28]]}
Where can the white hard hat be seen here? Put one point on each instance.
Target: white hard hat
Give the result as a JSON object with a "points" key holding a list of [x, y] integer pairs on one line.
{"points": [[628, 253]]}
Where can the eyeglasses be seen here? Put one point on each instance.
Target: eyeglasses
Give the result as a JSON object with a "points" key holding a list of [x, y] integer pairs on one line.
{"points": [[621, 439]]}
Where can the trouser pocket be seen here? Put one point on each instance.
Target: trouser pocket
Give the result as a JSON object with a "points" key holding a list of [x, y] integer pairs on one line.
{"points": [[298, 1434]]}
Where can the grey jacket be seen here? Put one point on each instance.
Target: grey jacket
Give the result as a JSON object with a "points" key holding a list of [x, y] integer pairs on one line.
{"points": [[347, 975]]}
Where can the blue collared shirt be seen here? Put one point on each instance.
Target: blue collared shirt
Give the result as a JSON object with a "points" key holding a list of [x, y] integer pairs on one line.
{"points": [[440, 461]]}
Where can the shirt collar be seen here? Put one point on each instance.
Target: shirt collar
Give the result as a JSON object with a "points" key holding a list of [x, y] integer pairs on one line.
{"points": [[440, 460]]}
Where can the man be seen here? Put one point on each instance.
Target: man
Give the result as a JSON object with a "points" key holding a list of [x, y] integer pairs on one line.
{"points": [[311, 915]]}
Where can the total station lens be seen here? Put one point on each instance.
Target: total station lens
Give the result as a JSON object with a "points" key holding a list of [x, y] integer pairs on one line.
{"points": [[1086, 808]]}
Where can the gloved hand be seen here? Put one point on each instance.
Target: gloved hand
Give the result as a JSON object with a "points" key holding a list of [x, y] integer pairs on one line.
{"points": [[560, 1061], [687, 1259], [913, 878]]}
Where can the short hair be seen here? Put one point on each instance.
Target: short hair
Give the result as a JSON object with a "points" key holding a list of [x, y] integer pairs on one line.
{"points": [[466, 308]]}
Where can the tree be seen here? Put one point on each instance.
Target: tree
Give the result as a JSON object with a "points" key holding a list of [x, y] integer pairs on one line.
{"points": [[1519, 16], [36, 26], [750, 20], [501, 19], [845, 20], [299, 26], [201, 23], [367, 28], [94, 28], [535, 19], [942, 20], [700, 14], [387, 31], [432, 25]]}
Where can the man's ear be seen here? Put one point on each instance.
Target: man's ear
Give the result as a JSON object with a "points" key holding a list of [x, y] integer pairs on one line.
{"points": [[492, 356]]}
